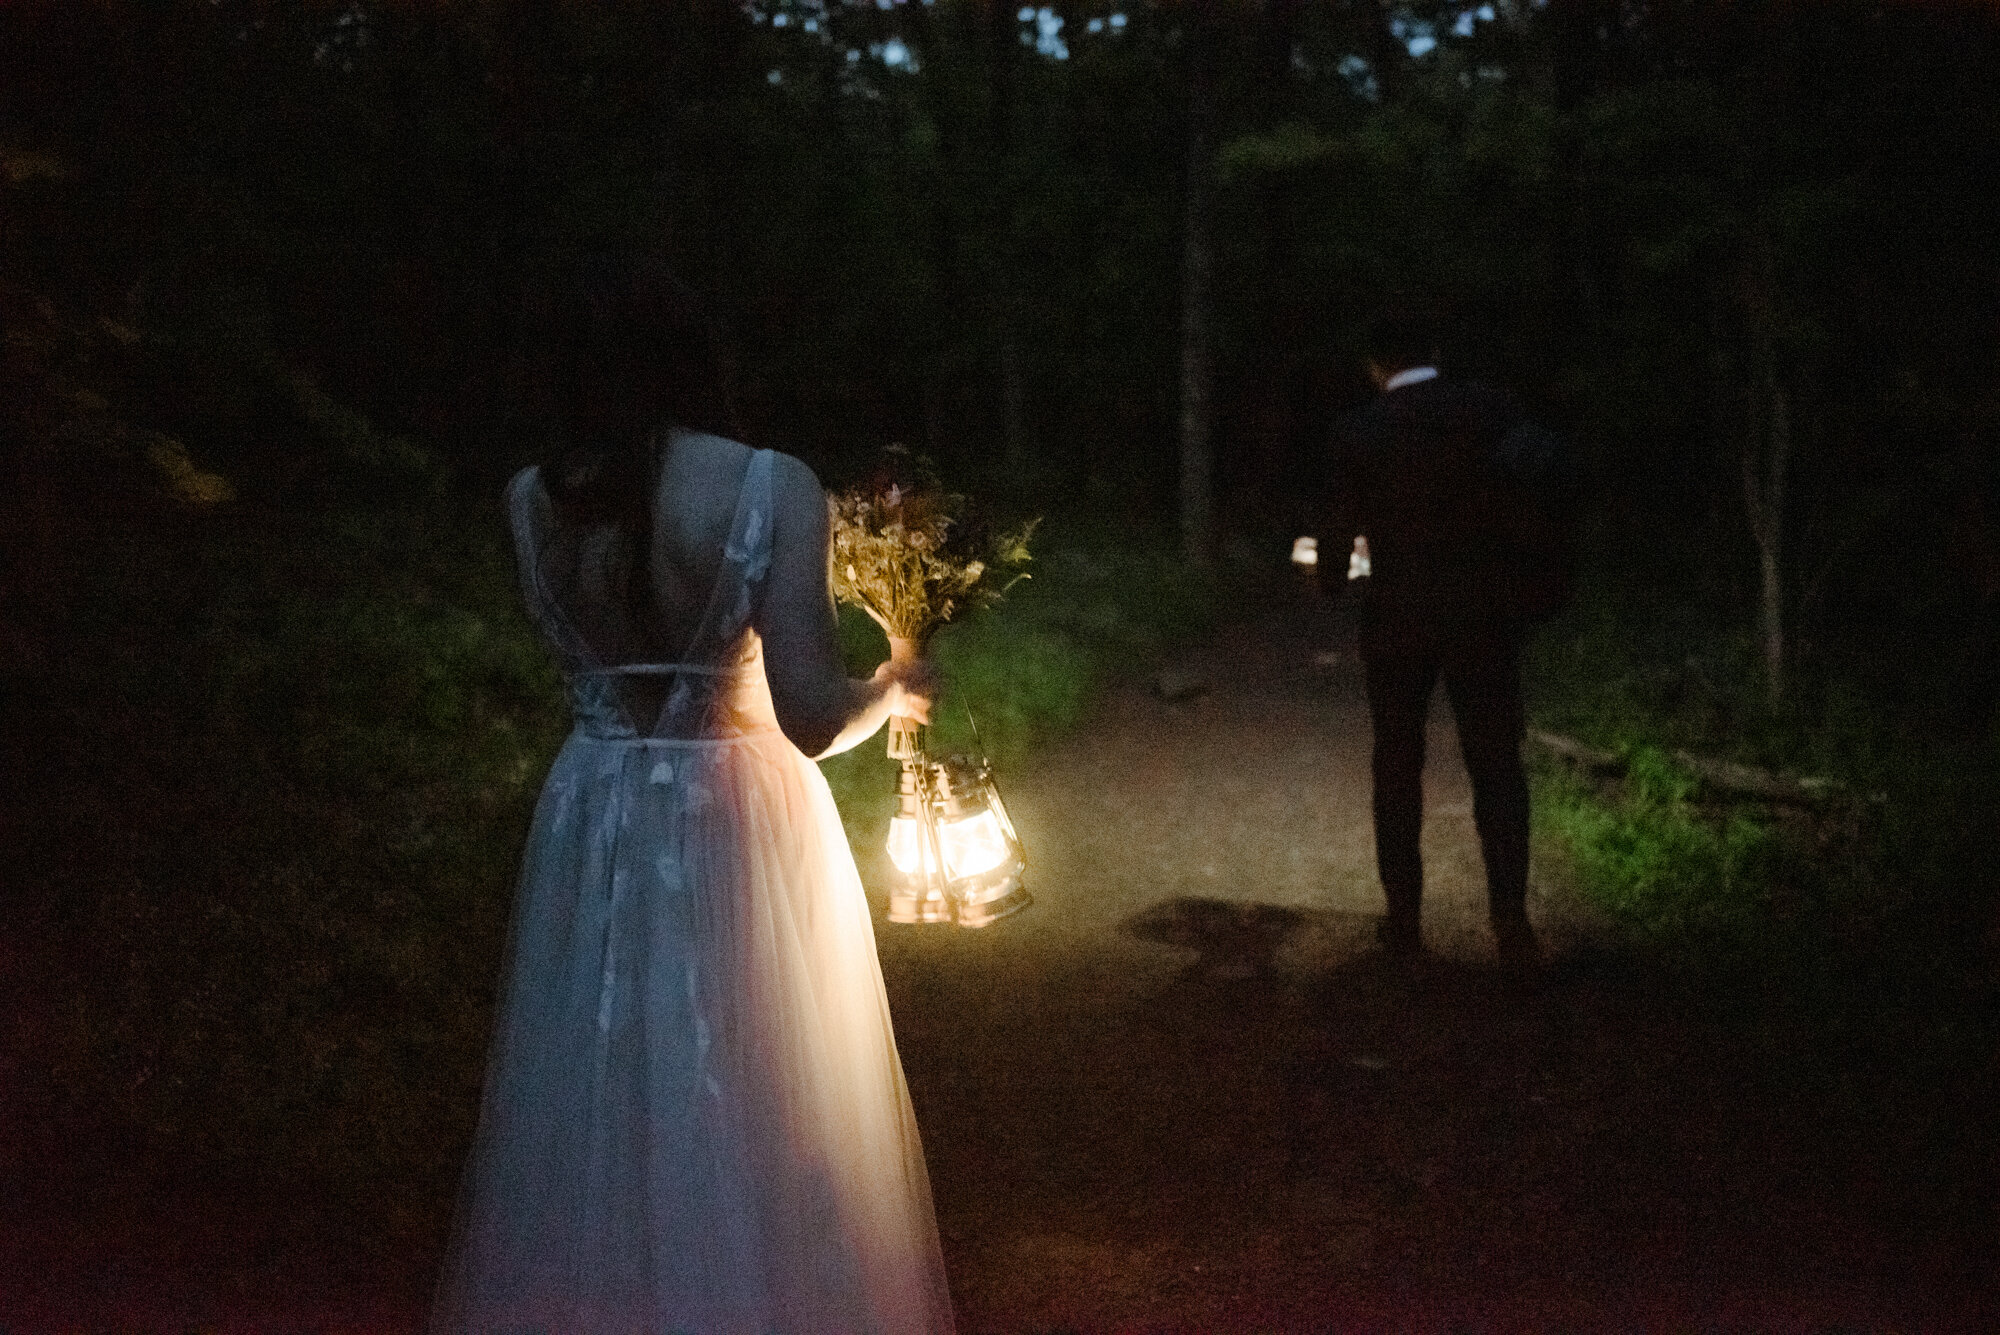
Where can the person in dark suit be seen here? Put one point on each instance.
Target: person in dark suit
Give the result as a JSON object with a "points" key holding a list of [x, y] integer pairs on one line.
{"points": [[1452, 498]]}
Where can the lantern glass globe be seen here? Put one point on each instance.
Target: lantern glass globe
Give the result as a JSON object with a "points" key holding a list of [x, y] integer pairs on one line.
{"points": [[973, 845], [908, 849]]}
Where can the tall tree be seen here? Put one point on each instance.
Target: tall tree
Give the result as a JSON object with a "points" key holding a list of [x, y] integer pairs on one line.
{"points": [[1771, 101], [1197, 425], [1766, 457], [1003, 31]]}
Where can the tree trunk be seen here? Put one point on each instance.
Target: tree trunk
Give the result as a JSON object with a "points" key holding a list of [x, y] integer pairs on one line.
{"points": [[1014, 393], [1769, 440], [1197, 307], [516, 32], [1764, 467], [1576, 36], [1277, 29], [1003, 53], [941, 185], [1766, 460]]}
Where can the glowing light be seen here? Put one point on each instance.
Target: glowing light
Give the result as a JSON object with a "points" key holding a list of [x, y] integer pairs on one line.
{"points": [[971, 846], [956, 854], [1305, 551], [908, 848]]}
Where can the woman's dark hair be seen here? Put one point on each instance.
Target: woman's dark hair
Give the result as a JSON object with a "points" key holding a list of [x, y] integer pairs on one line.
{"points": [[616, 349]]}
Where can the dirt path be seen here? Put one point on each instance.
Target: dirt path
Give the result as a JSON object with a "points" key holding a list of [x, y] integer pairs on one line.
{"points": [[1185, 1091]]}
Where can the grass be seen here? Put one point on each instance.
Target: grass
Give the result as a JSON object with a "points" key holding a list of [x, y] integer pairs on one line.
{"points": [[1695, 872], [1664, 869], [1849, 947]]}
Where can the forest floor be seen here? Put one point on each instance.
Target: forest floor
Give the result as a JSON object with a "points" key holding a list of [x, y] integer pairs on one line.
{"points": [[1185, 1091]]}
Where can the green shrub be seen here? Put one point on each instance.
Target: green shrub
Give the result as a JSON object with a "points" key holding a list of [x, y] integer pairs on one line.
{"points": [[1849, 943], [281, 954], [1664, 868]]}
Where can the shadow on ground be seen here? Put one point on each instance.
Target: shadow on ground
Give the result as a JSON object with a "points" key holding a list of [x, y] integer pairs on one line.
{"points": [[1259, 1144]]}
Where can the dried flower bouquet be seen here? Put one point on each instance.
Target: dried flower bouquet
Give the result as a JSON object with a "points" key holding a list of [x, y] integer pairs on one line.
{"points": [[907, 559], [905, 553]]}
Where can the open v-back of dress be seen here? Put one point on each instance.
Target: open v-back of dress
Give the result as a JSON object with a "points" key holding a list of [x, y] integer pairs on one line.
{"points": [[694, 1116]]}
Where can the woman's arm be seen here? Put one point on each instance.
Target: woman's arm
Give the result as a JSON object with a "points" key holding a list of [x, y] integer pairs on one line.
{"points": [[821, 710]]}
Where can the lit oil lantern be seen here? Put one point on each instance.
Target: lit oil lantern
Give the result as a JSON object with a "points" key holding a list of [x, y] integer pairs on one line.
{"points": [[956, 854], [915, 851], [983, 859]]}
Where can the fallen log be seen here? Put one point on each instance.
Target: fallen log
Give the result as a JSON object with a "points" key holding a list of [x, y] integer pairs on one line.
{"points": [[1570, 749], [1722, 776], [1728, 776]]}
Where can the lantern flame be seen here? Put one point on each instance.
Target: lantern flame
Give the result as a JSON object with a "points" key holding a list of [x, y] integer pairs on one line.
{"points": [[971, 846], [908, 849], [956, 854]]}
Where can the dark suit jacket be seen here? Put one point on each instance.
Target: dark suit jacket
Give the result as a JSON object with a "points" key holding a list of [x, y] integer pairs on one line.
{"points": [[1461, 501]]}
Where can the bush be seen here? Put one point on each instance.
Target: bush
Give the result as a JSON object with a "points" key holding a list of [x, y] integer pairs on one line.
{"points": [[274, 733], [1663, 868], [279, 947], [1852, 942]]}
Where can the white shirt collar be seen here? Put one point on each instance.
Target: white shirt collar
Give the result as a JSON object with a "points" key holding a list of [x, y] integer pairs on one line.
{"points": [[1416, 375]]}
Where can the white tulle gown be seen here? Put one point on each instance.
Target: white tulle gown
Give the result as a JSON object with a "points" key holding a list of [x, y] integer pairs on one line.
{"points": [[694, 1115]]}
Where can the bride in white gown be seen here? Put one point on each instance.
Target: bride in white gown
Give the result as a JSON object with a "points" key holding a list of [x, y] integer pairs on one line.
{"points": [[694, 1116]]}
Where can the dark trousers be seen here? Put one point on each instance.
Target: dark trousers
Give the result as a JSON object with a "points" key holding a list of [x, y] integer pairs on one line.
{"points": [[1483, 681]]}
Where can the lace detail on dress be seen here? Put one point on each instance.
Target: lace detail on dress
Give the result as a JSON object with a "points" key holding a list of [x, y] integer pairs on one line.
{"points": [[737, 701]]}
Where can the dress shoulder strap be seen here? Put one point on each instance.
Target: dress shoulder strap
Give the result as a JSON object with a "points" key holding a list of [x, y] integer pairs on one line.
{"points": [[746, 556], [529, 518]]}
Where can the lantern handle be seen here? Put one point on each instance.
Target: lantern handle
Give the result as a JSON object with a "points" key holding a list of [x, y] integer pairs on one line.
{"points": [[936, 875], [973, 723]]}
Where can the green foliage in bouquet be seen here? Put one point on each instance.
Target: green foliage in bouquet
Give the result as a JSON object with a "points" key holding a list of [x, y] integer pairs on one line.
{"points": [[906, 552]]}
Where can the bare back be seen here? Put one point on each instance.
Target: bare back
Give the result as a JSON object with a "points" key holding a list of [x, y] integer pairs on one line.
{"points": [[693, 505], [700, 477], [700, 493]]}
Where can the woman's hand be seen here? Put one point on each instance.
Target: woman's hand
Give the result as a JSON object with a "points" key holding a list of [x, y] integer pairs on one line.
{"points": [[911, 686]]}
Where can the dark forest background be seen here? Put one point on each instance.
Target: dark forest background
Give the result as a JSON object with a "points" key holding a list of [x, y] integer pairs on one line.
{"points": [[273, 724]]}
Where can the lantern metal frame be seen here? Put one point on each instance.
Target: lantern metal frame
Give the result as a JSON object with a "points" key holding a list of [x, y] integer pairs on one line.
{"points": [[936, 793]]}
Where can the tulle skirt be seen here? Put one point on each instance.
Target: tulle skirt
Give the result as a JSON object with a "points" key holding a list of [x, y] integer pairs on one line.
{"points": [[694, 1116]]}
